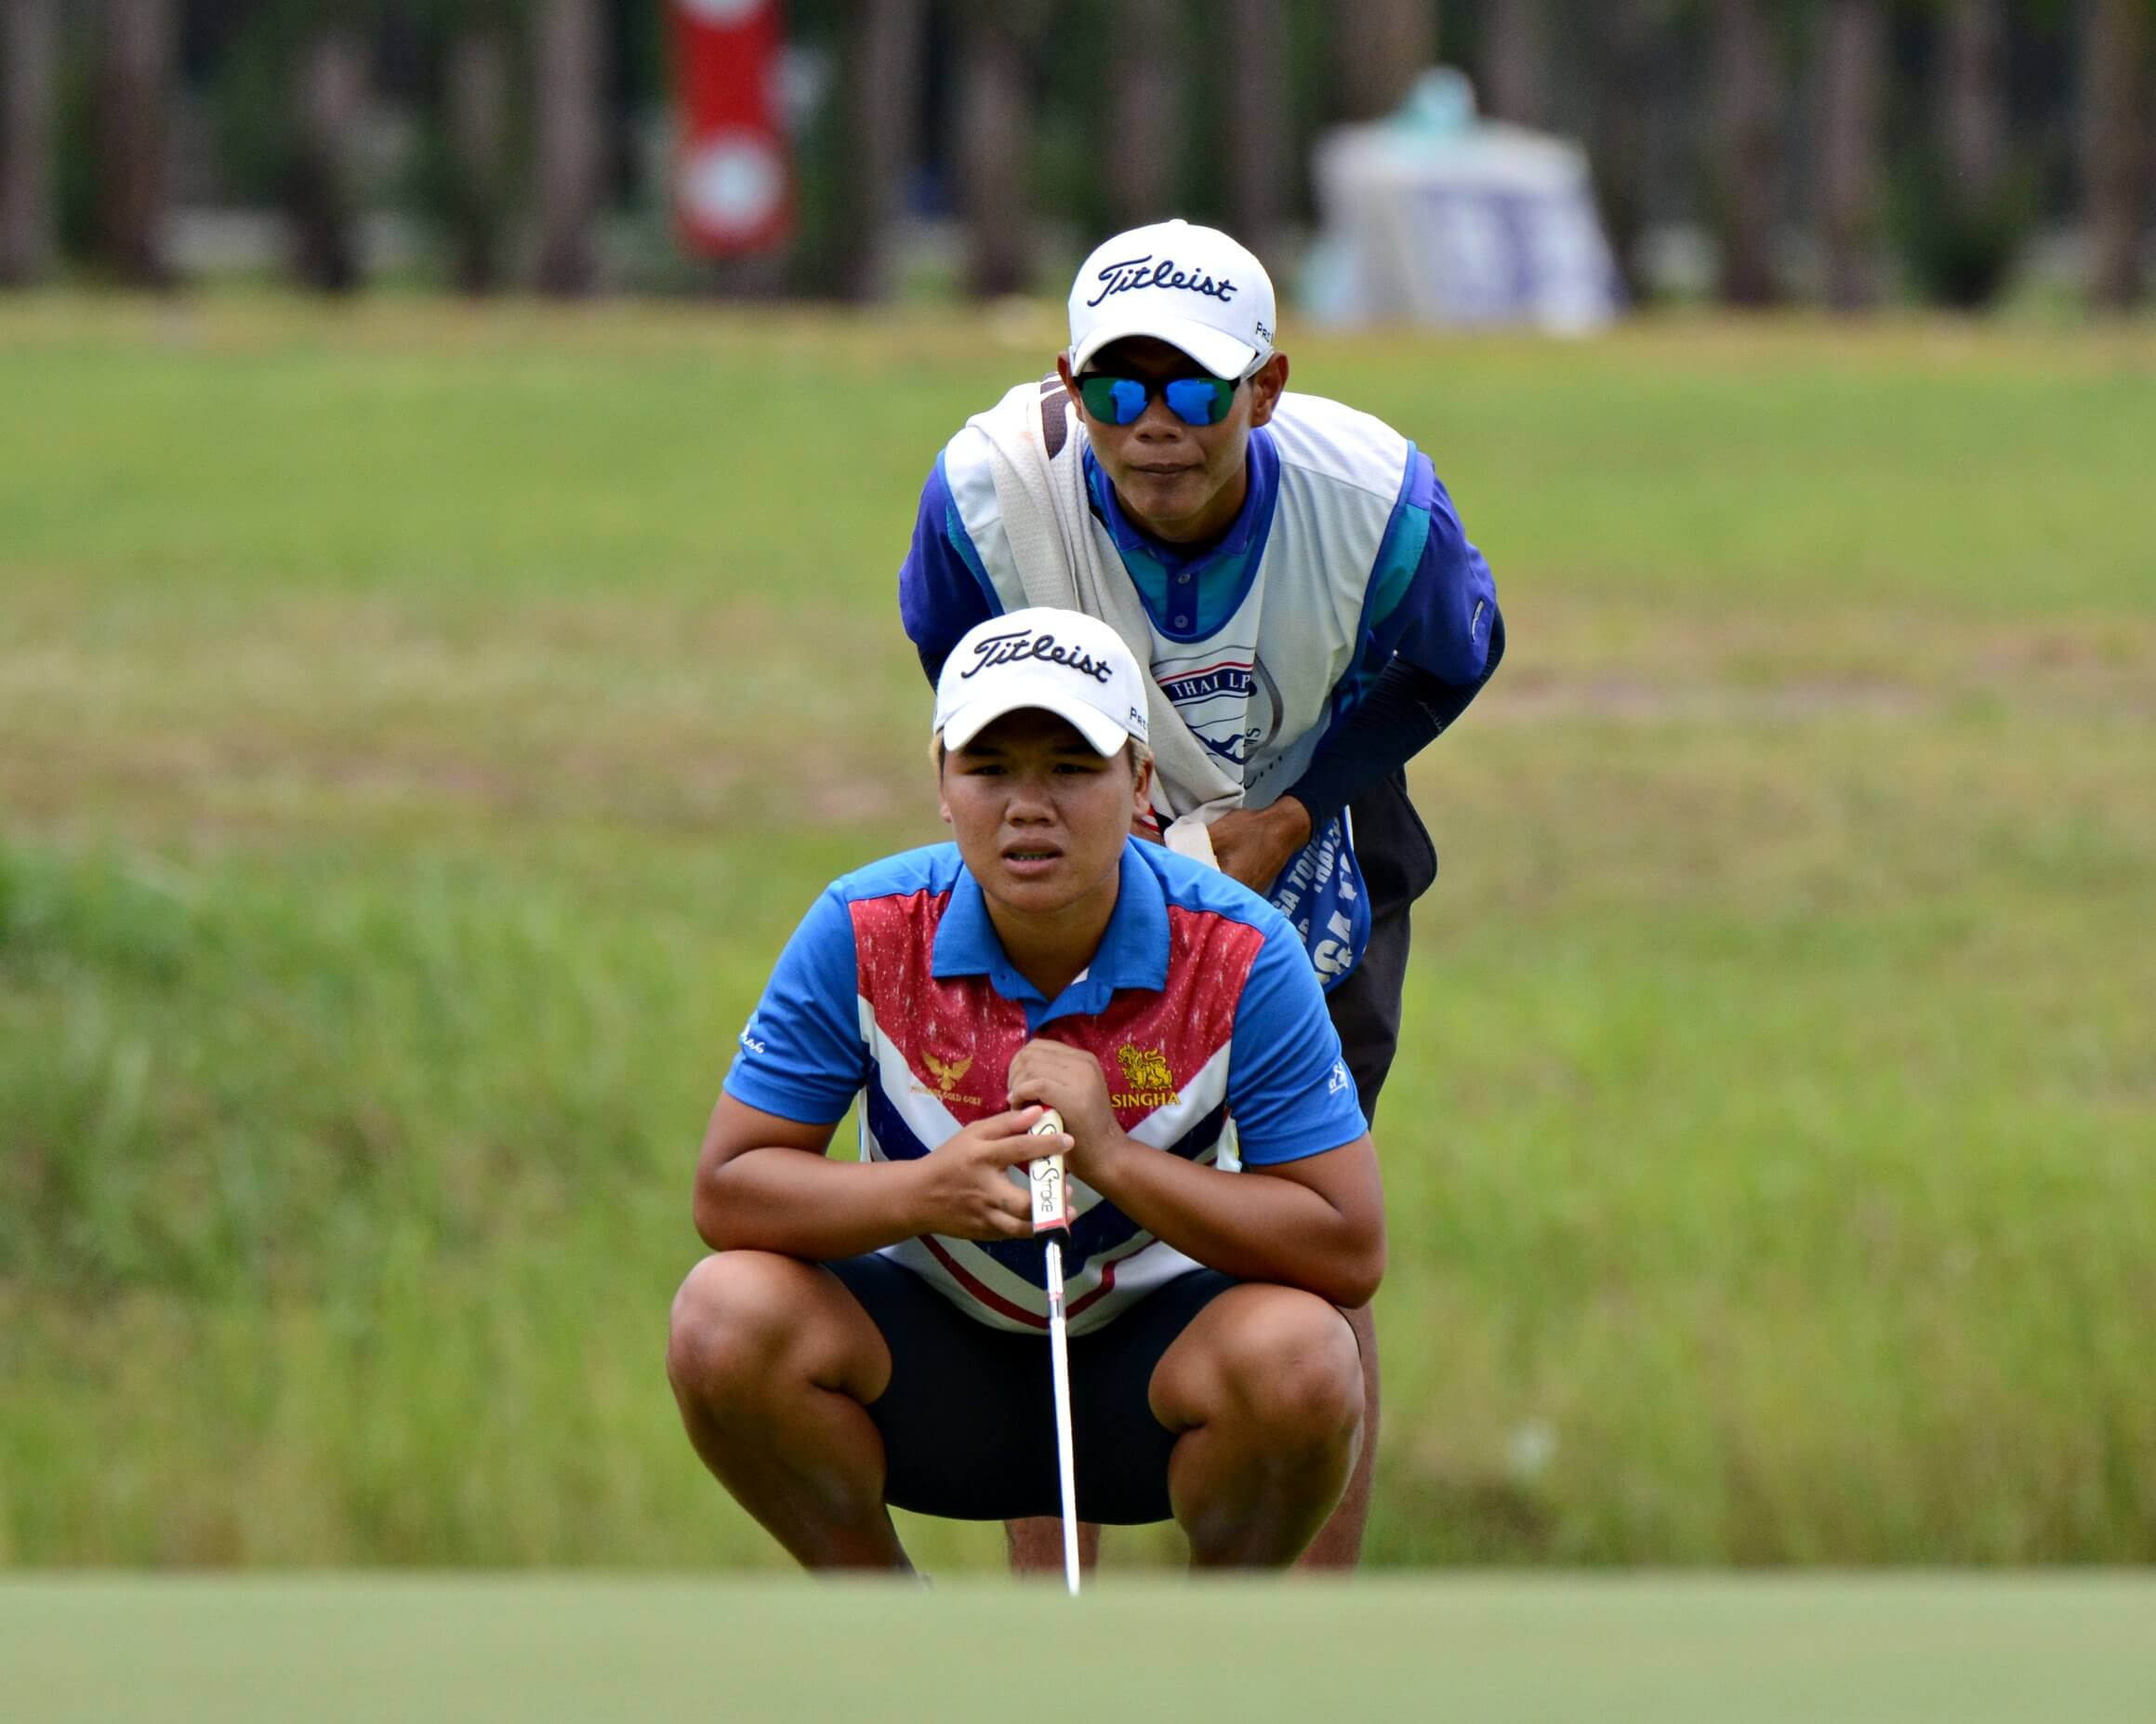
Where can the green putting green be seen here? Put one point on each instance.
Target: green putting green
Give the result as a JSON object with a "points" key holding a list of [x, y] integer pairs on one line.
{"points": [[1663, 1651]]}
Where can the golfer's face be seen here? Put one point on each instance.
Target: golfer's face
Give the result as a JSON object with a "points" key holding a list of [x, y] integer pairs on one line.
{"points": [[1039, 818], [1166, 472]]}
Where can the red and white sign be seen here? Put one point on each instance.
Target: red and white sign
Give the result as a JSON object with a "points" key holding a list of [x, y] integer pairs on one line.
{"points": [[732, 183]]}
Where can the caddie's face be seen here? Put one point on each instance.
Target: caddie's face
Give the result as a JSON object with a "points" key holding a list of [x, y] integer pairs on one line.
{"points": [[1182, 482], [1040, 819]]}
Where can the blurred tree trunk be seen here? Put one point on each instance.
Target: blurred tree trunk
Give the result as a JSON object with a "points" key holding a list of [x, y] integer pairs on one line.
{"points": [[1624, 41], [879, 75], [479, 99], [331, 95], [1747, 143], [1973, 99], [136, 54], [996, 143], [1853, 77], [1515, 62], [29, 108], [2116, 140], [1146, 93], [1382, 44], [1257, 136], [569, 117]]}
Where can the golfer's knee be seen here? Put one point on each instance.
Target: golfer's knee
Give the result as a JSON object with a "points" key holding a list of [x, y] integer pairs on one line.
{"points": [[730, 1323], [1297, 1375]]}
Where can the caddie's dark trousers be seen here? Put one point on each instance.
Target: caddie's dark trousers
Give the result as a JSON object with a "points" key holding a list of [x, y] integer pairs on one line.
{"points": [[1398, 863], [1366, 1008]]}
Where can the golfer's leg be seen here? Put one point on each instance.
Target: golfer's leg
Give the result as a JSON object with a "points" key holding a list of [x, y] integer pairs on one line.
{"points": [[774, 1364], [1264, 1388], [1035, 1545], [1339, 1541]]}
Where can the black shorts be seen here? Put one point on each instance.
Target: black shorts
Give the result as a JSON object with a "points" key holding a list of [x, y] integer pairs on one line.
{"points": [[969, 1420]]}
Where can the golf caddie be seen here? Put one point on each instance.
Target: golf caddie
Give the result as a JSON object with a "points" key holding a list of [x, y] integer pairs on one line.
{"points": [[872, 1332], [1296, 582]]}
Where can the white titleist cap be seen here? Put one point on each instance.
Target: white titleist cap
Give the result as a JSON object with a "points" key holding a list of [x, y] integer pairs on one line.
{"points": [[1192, 288], [1064, 662]]}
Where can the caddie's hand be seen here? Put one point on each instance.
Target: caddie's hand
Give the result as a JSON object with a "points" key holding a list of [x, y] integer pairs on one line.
{"points": [[965, 1188], [1070, 1081], [1254, 845]]}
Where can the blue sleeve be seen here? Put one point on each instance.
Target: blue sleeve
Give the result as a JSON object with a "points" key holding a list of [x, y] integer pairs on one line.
{"points": [[1288, 1085], [801, 1056], [1439, 619], [943, 589], [1405, 712]]}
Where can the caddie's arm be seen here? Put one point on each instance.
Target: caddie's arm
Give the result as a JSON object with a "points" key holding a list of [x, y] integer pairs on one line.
{"points": [[939, 596], [1435, 644]]}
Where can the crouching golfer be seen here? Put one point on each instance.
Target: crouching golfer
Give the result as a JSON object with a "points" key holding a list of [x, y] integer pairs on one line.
{"points": [[873, 1332]]}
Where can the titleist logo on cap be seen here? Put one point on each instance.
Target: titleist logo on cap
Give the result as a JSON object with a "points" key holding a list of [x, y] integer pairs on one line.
{"points": [[1003, 649], [1134, 273]]}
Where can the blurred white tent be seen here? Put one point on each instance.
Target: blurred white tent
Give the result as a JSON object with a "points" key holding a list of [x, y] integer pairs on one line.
{"points": [[1434, 216]]}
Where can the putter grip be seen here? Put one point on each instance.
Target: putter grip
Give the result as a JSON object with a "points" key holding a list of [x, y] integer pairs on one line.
{"points": [[1050, 1190]]}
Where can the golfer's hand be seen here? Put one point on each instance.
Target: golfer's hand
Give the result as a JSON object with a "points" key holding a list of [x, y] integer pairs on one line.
{"points": [[965, 1188], [1254, 845], [1051, 1075]]}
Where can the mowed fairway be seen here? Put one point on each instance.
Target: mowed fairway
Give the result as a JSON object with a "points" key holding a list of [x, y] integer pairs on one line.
{"points": [[1908, 1649], [420, 728]]}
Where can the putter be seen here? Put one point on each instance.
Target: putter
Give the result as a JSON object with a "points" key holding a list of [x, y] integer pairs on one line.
{"points": [[1051, 1216]]}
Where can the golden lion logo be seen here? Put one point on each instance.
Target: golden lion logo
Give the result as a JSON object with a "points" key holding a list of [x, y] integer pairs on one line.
{"points": [[1145, 1070], [946, 1072]]}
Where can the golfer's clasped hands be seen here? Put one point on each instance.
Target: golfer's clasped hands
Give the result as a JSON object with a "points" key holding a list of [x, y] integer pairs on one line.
{"points": [[1053, 1074], [966, 1190]]}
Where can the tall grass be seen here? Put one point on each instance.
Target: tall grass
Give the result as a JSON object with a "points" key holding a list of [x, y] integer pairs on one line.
{"points": [[419, 731]]}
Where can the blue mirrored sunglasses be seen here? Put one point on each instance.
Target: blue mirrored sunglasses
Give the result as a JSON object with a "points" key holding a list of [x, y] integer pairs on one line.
{"points": [[1195, 401]]}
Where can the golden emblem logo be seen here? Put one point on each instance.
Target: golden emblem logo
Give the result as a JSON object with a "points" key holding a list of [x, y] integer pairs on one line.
{"points": [[1151, 1083], [946, 1073]]}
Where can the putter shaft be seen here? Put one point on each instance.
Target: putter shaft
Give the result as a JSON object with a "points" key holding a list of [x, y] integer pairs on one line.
{"points": [[1059, 1362], [1051, 1216]]}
